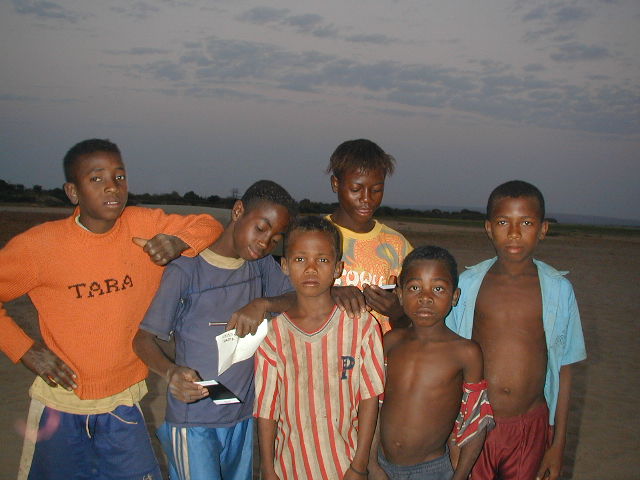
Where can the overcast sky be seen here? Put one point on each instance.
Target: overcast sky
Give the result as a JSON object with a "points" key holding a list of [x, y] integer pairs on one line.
{"points": [[209, 95]]}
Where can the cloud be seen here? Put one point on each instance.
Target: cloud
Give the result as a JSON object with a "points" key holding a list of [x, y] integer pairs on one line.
{"points": [[306, 24], [534, 67], [578, 52], [164, 70], [251, 70], [569, 13], [262, 15], [538, 13], [553, 19], [137, 10], [45, 9], [139, 51], [375, 38], [10, 97]]}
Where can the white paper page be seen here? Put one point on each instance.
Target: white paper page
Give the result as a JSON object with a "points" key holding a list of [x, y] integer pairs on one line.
{"points": [[233, 349]]}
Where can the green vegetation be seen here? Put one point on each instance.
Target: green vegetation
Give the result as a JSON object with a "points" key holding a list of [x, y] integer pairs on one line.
{"points": [[12, 193], [569, 229]]}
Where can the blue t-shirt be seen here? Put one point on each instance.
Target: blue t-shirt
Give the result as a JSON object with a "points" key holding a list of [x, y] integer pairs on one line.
{"points": [[194, 292]]}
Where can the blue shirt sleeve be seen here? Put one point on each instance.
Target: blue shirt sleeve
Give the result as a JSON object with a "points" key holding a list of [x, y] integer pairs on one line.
{"points": [[169, 302], [574, 348], [274, 281]]}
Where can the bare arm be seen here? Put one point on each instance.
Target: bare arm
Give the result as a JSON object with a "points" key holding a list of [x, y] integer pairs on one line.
{"points": [[551, 465], [375, 471], [468, 455], [266, 442], [367, 419], [248, 318], [181, 379]]}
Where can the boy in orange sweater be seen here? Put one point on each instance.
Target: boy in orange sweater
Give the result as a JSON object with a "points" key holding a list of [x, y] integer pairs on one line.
{"points": [[91, 286]]}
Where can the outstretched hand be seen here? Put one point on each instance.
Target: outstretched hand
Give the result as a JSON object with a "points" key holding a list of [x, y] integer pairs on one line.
{"points": [[162, 248], [182, 384], [47, 365]]}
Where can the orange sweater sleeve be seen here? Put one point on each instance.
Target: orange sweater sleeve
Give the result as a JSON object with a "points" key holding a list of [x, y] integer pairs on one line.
{"points": [[18, 276], [197, 231]]}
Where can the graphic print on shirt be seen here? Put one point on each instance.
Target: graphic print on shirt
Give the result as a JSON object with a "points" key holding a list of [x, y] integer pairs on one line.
{"points": [[97, 287], [348, 362], [361, 268]]}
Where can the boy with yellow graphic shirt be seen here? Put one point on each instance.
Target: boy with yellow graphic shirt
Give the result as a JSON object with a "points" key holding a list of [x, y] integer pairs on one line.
{"points": [[372, 252]]}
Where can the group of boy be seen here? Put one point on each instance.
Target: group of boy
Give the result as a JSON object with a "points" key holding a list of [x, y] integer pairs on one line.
{"points": [[473, 379]]}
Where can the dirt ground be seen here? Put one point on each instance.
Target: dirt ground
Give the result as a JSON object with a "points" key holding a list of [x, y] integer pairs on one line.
{"points": [[603, 440]]}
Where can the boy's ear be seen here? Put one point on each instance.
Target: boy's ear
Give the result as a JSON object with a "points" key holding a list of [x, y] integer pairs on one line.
{"points": [[487, 228], [338, 270], [284, 265], [71, 191], [543, 230], [399, 294], [456, 297], [237, 210], [334, 183]]}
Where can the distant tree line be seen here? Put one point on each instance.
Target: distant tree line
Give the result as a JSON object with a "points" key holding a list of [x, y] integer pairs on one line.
{"points": [[17, 193]]}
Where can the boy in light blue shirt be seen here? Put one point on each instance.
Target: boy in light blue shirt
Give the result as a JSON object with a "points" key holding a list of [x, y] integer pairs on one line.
{"points": [[524, 315]]}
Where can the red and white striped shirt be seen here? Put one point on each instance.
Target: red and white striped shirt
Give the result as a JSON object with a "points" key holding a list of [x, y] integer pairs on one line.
{"points": [[311, 385]]}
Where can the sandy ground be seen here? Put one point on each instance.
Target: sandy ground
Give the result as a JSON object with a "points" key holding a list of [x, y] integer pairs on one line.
{"points": [[603, 439]]}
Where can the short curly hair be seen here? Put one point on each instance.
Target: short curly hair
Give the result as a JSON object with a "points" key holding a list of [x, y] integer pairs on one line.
{"points": [[515, 189], [314, 223], [269, 191], [430, 252], [82, 148], [362, 155]]}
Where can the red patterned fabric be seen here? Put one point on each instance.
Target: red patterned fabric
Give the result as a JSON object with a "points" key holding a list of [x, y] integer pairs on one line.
{"points": [[475, 412]]}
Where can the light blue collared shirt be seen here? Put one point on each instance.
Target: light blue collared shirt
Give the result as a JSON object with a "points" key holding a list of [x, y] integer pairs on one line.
{"points": [[560, 317]]}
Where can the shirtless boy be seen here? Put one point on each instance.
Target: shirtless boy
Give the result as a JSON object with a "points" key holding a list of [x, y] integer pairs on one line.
{"points": [[524, 315], [427, 367]]}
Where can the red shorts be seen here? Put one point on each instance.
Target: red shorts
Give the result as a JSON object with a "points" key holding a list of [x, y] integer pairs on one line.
{"points": [[514, 449]]}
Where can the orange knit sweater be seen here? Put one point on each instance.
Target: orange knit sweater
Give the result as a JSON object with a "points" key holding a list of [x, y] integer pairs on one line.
{"points": [[91, 291]]}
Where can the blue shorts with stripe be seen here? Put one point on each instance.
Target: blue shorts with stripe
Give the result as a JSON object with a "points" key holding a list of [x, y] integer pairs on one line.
{"points": [[106, 446], [204, 452]]}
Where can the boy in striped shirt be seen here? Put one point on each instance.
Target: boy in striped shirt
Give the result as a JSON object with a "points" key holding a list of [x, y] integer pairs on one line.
{"points": [[318, 372]]}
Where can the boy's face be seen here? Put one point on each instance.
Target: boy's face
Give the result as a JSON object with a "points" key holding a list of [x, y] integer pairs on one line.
{"points": [[359, 193], [99, 188], [258, 230], [428, 293], [311, 262], [515, 227]]}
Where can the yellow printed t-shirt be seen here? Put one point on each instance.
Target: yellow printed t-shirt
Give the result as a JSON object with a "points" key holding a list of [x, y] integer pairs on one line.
{"points": [[370, 258]]}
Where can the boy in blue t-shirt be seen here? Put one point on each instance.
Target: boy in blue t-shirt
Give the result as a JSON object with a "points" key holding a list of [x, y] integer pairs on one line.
{"points": [[196, 299]]}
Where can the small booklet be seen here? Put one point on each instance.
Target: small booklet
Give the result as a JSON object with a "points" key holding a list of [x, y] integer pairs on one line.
{"points": [[233, 349], [220, 394]]}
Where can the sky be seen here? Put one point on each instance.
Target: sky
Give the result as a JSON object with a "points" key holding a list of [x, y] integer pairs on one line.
{"points": [[213, 95]]}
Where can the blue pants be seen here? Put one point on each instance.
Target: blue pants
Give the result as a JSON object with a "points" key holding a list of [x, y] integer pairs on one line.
{"points": [[106, 446], [197, 453], [437, 469]]}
